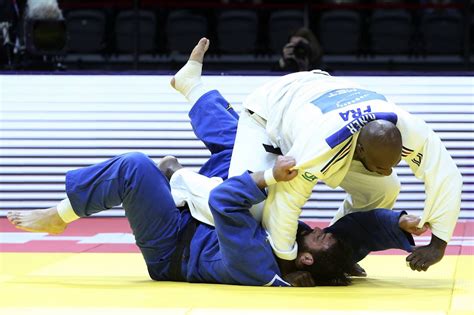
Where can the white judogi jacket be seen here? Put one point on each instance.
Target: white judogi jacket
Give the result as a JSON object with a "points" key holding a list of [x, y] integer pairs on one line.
{"points": [[315, 118]]}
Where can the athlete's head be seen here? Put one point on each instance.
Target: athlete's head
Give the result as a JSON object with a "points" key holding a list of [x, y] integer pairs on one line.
{"points": [[379, 147], [327, 257]]}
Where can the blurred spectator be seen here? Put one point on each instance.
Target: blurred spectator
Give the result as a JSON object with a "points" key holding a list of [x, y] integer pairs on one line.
{"points": [[302, 52], [9, 16]]}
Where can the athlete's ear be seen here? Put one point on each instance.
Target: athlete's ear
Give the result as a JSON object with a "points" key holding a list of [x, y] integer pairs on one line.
{"points": [[305, 259]]}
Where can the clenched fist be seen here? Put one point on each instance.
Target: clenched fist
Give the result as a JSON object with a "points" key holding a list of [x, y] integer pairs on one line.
{"points": [[282, 171], [409, 223]]}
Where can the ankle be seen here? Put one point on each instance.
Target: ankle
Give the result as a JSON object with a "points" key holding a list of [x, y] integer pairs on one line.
{"points": [[65, 211], [196, 92]]}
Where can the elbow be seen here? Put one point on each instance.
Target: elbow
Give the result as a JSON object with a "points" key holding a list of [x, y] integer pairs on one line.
{"points": [[226, 196], [453, 185], [217, 197], [456, 181], [451, 178]]}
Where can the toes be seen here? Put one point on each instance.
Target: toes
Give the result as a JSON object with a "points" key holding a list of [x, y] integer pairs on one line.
{"points": [[15, 221], [12, 216], [15, 218], [198, 52], [204, 43]]}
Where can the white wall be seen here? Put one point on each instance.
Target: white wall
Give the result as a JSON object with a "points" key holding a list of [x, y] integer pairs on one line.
{"points": [[52, 123]]}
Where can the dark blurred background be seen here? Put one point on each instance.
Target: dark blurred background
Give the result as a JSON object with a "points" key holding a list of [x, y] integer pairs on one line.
{"points": [[346, 35]]}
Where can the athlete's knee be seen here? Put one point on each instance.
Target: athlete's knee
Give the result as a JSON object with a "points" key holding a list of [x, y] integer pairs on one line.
{"points": [[137, 165], [136, 159]]}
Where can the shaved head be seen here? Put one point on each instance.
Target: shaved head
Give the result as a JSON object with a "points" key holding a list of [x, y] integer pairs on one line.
{"points": [[379, 146]]}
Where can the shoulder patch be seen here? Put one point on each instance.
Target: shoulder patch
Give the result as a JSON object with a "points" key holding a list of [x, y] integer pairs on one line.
{"points": [[417, 160], [309, 177]]}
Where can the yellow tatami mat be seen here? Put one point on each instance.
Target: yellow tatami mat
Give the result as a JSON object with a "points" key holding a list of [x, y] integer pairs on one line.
{"points": [[99, 283]]}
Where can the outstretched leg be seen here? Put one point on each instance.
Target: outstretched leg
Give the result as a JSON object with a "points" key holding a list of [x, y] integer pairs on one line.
{"points": [[213, 119], [134, 181]]}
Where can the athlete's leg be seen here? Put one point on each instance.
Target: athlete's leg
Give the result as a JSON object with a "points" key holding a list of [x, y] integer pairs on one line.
{"points": [[134, 181], [249, 152], [187, 80], [214, 122], [367, 190]]}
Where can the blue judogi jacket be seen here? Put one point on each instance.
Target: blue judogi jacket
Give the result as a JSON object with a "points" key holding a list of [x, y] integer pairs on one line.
{"points": [[236, 251]]}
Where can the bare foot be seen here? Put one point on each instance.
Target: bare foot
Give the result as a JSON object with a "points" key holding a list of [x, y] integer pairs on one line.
{"points": [[47, 220], [190, 74], [168, 165]]}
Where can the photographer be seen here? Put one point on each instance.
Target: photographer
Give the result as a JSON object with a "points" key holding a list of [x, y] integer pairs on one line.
{"points": [[8, 22], [33, 34], [302, 52]]}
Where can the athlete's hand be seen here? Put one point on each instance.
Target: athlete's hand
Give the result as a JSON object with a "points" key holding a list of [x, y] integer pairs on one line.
{"points": [[409, 223], [300, 279], [282, 171], [425, 256]]}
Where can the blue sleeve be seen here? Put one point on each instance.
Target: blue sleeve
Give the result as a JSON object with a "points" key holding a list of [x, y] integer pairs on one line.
{"points": [[370, 231], [245, 250]]}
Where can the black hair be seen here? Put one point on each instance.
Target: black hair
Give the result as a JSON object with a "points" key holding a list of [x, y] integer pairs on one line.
{"points": [[331, 266]]}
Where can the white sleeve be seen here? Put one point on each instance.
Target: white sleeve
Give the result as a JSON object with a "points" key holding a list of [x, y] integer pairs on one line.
{"points": [[282, 211], [194, 189], [443, 185]]}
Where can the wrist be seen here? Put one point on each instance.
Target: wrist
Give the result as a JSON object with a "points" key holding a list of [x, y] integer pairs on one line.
{"points": [[401, 220], [259, 179], [269, 178], [438, 243]]}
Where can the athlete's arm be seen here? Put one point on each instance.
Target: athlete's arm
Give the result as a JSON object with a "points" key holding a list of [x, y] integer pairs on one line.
{"points": [[281, 213], [443, 185], [375, 230], [245, 251]]}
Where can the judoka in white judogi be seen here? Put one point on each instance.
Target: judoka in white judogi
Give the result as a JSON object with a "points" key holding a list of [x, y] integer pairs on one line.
{"points": [[316, 118]]}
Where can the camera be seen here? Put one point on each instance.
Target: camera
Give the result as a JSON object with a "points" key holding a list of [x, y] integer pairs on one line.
{"points": [[45, 37], [302, 50], [45, 28], [298, 58]]}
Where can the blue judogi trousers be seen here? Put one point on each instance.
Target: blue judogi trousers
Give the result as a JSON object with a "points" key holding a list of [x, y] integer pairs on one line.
{"points": [[134, 181]]}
